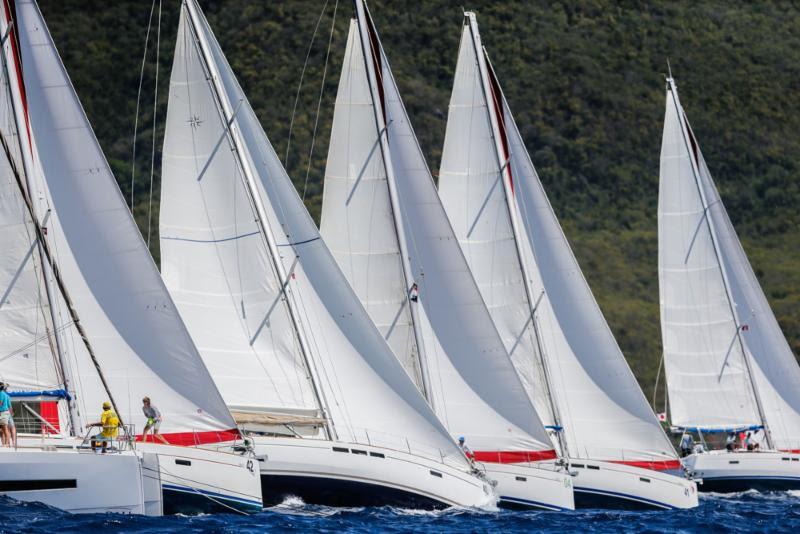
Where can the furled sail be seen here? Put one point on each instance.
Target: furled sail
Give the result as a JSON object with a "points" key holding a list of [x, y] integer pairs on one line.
{"points": [[378, 178], [554, 329], [364, 391], [138, 339], [692, 215]]}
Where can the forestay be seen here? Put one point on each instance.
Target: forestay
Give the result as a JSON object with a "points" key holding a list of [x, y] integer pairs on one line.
{"points": [[472, 384], [595, 396], [132, 325], [776, 373], [367, 396]]}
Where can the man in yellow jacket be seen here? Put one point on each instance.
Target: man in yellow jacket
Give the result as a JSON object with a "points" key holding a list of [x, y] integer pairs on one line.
{"points": [[109, 422]]}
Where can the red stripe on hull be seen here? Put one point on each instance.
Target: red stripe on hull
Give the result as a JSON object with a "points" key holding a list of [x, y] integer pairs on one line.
{"points": [[513, 457], [190, 439], [660, 465], [791, 451]]}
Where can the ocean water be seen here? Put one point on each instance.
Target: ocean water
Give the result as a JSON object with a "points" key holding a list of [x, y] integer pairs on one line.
{"points": [[749, 512]]}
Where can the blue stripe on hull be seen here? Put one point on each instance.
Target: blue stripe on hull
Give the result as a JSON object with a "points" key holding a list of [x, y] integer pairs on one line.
{"points": [[516, 503], [186, 500], [597, 498]]}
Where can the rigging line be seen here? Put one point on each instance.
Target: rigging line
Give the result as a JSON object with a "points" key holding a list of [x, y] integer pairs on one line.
{"points": [[300, 84], [138, 99], [319, 101], [155, 116]]}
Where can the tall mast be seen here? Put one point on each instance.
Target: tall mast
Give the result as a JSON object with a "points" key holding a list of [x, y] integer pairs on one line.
{"points": [[24, 186], [672, 88], [229, 116], [371, 51], [494, 105]]}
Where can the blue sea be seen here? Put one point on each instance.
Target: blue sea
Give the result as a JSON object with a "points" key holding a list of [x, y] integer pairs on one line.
{"points": [[748, 512]]}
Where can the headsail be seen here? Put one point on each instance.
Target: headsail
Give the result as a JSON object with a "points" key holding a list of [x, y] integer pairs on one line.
{"points": [[756, 379], [494, 197], [130, 321], [472, 384], [366, 394]]}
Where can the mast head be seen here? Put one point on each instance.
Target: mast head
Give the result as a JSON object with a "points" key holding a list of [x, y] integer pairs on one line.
{"points": [[670, 80]]}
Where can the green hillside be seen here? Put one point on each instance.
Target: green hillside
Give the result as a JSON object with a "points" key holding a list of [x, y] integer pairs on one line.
{"points": [[585, 80]]}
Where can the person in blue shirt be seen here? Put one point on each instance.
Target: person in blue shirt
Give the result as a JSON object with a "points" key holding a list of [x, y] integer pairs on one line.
{"points": [[5, 415]]}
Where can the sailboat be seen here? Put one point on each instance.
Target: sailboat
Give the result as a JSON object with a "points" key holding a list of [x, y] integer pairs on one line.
{"points": [[385, 225], [85, 318], [333, 416], [561, 346], [729, 367]]}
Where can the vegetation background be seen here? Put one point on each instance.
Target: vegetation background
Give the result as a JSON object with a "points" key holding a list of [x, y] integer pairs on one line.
{"points": [[585, 79]]}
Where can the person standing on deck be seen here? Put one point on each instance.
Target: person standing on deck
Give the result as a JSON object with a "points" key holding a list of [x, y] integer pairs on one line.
{"points": [[153, 421], [686, 444], [5, 415]]}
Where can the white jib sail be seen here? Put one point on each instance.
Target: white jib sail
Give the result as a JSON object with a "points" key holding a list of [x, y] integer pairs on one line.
{"points": [[367, 395], [133, 327], [707, 378], [600, 405], [775, 370], [472, 383]]}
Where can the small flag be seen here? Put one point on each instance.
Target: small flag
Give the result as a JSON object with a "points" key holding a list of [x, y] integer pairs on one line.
{"points": [[662, 416]]}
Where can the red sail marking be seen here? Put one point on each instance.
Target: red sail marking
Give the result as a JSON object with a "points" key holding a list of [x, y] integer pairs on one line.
{"points": [[658, 465], [10, 7], [513, 457], [375, 45], [494, 86], [190, 439]]}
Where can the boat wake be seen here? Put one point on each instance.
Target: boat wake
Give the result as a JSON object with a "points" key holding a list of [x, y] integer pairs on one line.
{"points": [[294, 505]]}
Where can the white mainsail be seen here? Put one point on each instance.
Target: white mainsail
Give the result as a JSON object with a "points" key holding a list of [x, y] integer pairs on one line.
{"points": [[381, 212], [728, 364], [561, 345], [139, 342], [27, 345], [363, 390]]}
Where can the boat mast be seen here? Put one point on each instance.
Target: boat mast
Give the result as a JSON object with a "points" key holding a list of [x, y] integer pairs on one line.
{"points": [[229, 116], [373, 58], [672, 88], [493, 101]]}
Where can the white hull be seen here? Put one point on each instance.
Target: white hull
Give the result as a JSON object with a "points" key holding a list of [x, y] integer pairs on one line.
{"points": [[613, 485], [185, 480], [531, 486], [724, 471], [197, 480], [342, 474], [75, 481]]}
